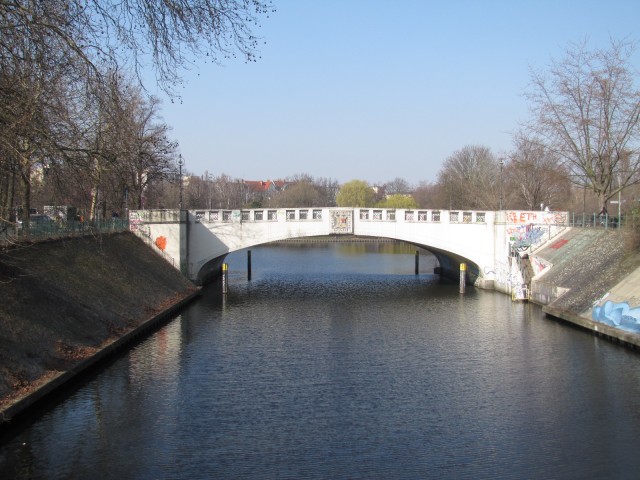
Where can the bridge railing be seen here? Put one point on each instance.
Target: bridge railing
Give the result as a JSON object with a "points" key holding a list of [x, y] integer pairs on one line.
{"points": [[587, 220], [421, 215], [318, 214], [154, 216]]}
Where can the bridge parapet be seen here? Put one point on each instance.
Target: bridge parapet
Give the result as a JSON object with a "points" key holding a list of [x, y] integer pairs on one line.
{"points": [[318, 214], [420, 216], [141, 217], [198, 240]]}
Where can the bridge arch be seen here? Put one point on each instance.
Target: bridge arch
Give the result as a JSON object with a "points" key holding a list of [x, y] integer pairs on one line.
{"points": [[448, 262], [197, 241]]}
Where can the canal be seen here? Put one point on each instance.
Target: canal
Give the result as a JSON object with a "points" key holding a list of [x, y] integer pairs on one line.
{"points": [[337, 361]]}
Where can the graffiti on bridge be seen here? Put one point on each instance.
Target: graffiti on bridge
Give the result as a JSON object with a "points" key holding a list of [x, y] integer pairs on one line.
{"points": [[137, 224], [161, 243], [509, 274], [538, 264], [544, 218], [526, 229], [524, 236]]}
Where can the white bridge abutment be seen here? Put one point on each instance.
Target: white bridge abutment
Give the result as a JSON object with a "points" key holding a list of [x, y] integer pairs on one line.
{"points": [[197, 241]]}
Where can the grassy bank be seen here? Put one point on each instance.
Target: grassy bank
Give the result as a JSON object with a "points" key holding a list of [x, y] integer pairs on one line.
{"points": [[63, 301]]}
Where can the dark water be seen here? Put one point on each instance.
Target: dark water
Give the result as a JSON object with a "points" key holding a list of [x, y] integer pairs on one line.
{"points": [[338, 362]]}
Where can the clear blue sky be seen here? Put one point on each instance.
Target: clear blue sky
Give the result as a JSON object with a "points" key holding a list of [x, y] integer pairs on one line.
{"points": [[379, 89]]}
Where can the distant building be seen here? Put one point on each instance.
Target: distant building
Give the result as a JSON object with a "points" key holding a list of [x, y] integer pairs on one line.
{"points": [[380, 192], [260, 190]]}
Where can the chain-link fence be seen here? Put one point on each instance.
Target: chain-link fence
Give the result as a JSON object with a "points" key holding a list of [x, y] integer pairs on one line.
{"points": [[42, 228]]}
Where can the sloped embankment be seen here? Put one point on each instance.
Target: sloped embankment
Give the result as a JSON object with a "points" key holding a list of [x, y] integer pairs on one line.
{"points": [[587, 265], [62, 301]]}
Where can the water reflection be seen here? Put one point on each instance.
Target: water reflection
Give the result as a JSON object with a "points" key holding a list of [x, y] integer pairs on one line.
{"points": [[160, 361]]}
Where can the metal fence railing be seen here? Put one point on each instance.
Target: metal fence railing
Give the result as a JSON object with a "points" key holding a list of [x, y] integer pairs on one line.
{"points": [[39, 231], [631, 220]]}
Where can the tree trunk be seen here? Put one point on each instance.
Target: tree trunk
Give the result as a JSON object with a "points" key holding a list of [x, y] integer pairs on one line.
{"points": [[602, 202], [94, 203], [25, 176], [7, 192], [95, 192]]}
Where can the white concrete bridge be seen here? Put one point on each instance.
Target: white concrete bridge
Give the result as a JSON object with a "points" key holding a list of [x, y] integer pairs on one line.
{"points": [[197, 241]]}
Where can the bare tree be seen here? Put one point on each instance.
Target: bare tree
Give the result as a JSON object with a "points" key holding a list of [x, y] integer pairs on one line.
{"points": [[431, 195], [471, 178], [397, 186], [534, 176], [303, 190], [53, 53], [172, 33], [586, 109], [151, 152], [300, 194], [119, 147], [35, 101], [228, 192], [197, 192]]}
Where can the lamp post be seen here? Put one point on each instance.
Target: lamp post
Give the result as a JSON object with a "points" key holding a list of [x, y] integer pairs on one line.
{"points": [[209, 181], [619, 223], [501, 167], [125, 192], [180, 164]]}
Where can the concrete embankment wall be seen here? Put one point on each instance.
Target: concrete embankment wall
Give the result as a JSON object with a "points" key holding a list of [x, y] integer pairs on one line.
{"points": [[66, 304], [591, 278]]}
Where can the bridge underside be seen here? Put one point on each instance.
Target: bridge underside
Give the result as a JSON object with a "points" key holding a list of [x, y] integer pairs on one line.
{"points": [[450, 268], [210, 271], [448, 265]]}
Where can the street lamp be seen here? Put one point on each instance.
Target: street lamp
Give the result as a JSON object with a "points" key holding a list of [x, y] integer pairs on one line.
{"points": [[180, 164], [501, 167]]}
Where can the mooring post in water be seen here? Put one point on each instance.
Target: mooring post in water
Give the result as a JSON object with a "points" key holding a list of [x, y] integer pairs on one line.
{"points": [[249, 265], [417, 262], [225, 278], [463, 271]]}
